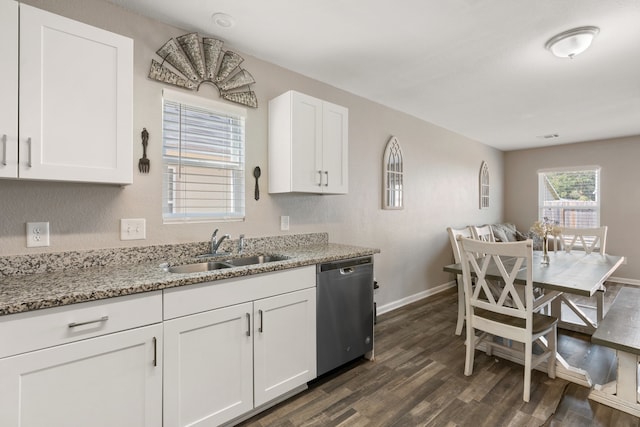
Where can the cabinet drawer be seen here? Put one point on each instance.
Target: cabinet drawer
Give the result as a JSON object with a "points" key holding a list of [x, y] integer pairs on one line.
{"points": [[39, 329], [192, 299]]}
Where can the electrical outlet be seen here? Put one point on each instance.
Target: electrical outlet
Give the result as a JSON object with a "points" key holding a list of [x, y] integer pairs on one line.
{"points": [[284, 223], [133, 229], [37, 234]]}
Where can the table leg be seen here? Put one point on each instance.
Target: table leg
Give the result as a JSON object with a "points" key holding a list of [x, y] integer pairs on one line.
{"points": [[589, 326], [623, 393]]}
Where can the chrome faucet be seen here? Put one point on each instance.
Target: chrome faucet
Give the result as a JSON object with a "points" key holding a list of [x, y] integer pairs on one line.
{"points": [[241, 244], [215, 243]]}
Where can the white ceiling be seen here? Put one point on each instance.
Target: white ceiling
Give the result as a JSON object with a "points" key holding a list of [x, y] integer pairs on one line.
{"points": [[476, 67]]}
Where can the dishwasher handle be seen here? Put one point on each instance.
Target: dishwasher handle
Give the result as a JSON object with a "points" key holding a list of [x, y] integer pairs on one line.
{"points": [[345, 266]]}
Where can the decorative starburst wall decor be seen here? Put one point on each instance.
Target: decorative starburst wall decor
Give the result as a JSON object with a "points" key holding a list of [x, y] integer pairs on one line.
{"points": [[196, 63]]}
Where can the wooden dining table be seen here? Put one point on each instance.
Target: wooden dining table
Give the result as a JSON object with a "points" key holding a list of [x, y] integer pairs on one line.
{"points": [[575, 273]]}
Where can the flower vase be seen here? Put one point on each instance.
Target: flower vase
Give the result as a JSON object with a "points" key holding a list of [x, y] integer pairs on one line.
{"points": [[545, 251]]}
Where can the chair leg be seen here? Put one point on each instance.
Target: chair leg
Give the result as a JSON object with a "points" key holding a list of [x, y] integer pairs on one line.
{"points": [[470, 351], [528, 356], [460, 306], [552, 343]]}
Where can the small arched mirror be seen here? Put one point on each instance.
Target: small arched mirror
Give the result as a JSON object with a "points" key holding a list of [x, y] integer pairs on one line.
{"points": [[393, 186], [484, 185]]}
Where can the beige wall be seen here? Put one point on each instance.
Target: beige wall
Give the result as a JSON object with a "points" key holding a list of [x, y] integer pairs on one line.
{"points": [[620, 190], [441, 177]]}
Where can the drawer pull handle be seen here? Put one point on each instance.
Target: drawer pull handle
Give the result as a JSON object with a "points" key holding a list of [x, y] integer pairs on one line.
{"points": [[248, 325], [4, 150], [29, 144], [88, 322], [261, 329], [155, 351]]}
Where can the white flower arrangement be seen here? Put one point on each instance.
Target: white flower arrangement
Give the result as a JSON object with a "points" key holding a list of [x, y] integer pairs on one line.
{"points": [[545, 227]]}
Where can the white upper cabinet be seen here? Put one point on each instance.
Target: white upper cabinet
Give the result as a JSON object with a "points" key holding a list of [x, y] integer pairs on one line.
{"points": [[9, 89], [308, 145], [75, 100]]}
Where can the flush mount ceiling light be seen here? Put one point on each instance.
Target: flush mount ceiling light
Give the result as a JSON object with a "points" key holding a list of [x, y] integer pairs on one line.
{"points": [[223, 20], [572, 42]]}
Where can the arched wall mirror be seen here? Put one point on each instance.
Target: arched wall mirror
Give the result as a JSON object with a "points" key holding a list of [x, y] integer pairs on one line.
{"points": [[392, 172], [484, 185]]}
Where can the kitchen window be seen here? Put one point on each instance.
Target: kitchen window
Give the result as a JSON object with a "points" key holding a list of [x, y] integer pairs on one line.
{"points": [[203, 150], [570, 197]]}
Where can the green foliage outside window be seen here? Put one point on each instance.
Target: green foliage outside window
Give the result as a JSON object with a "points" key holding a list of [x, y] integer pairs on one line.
{"points": [[579, 185]]}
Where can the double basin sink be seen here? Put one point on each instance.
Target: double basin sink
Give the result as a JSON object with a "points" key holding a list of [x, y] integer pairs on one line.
{"points": [[228, 263]]}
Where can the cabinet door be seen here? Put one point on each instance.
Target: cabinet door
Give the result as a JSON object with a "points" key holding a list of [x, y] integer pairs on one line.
{"points": [[335, 149], [112, 380], [208, 367], [9, 89], [306, 143], [284, 343], [76, 86]]}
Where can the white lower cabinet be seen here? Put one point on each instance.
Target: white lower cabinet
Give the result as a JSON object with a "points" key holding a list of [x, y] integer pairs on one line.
{"points": [[199, 355], [284, 343], [202, 352], [112, 380], [223, 363]]}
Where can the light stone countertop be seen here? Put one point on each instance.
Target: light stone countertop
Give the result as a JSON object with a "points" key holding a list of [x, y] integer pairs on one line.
{"points": [[20, 293]]}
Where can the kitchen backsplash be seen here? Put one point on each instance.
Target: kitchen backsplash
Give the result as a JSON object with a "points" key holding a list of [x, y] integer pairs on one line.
{"points": [[16, 265]]}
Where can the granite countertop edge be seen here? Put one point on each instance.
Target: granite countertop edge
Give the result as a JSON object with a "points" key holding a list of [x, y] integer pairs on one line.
{"points": [[45, 290]]}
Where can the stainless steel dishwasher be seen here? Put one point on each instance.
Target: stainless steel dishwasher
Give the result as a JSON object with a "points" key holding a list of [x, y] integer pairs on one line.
{"points": [[344, 311]]}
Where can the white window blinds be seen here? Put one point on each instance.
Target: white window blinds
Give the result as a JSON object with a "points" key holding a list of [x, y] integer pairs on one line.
{"points": [[203, 160], [570, 197]]}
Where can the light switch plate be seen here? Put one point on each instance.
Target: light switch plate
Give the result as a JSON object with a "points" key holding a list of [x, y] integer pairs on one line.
{"points": [[284, 223], [37, 234], [133, 229]]}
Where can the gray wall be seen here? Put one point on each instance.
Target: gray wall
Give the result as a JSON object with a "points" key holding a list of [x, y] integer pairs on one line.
{"points": [[441, 177], [620, 192]]}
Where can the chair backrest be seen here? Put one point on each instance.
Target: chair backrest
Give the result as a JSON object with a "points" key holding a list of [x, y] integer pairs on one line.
{"points": [[501, 261], [584, 239], [483, 232], [453, 238]]}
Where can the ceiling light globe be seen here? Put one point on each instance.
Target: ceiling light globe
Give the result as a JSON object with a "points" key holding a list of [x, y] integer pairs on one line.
{"points": [[573, 42], [223, 20]]}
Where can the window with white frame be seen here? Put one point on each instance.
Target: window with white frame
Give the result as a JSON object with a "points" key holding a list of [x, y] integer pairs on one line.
{"points": [[570, 197], [393, 175], [484, 185], [203, 150]]}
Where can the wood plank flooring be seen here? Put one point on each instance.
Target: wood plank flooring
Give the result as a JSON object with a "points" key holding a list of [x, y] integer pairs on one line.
{"points": [[417, 380]]}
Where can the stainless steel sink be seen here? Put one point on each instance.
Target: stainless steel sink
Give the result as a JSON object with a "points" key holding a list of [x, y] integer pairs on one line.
{"points": [[199, 267], [228, 263], [256, 259]]}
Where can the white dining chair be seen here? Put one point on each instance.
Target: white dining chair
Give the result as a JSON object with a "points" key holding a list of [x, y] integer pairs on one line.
{"points": [[453, 238], [587, 240], [483, 232], [487, 312]]}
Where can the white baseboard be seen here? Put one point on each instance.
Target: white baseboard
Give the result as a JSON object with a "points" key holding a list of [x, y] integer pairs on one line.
{"points": [[625, 281], [381, 309], [415, 297]]}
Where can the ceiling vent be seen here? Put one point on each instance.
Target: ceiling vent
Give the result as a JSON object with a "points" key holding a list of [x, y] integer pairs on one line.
{"points": [[549, 136]]}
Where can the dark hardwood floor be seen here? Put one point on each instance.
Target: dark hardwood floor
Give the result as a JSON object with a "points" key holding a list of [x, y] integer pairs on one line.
{"points": [[417, 380]]}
